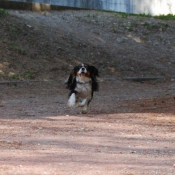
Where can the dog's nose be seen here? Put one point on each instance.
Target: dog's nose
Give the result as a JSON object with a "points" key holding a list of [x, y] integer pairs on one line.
{"points": [[82, 69]]}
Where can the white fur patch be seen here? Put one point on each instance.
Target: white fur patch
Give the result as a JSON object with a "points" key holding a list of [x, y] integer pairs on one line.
{"points": [[72, 100], [83, 102]]}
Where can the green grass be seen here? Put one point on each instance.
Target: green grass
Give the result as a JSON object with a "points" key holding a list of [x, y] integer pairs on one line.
{"points": [[3, 12], [166, 17], [129, 27], [162, 17], [13, 76], [15, 47], [125, 15], [30, 75], [19, 50]]}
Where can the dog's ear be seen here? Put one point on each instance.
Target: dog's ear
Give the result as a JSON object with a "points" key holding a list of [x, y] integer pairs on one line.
{"points": [[94, 74], [70, 80], [93, 71]]}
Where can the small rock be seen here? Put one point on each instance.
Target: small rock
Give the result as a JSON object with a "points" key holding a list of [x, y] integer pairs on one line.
{"points": [[133, 152], [169, 63], [156, 43], [29, 26], [119, 40]]}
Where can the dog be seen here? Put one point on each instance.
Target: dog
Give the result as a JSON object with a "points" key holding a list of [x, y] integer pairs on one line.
{"points": [[82, 83]]}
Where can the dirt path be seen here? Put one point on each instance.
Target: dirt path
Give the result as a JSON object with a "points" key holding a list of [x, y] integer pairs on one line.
{"points": [[127, 133], [130, 127]]}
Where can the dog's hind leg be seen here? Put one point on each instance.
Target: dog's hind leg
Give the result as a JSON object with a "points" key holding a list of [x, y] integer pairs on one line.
{"points": [[81, 103], [84, 104], [84, 111], [85, 107]]}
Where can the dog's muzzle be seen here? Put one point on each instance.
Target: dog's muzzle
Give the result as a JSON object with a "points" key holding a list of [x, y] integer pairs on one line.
{"points": [[82, 71]]}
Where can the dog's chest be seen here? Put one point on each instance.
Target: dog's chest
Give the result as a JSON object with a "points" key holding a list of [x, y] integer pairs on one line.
{"points": [[84, 88]]}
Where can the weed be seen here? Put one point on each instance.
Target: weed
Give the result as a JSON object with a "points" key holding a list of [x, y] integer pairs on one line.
{"points": [[30, 75], [163, 26], [3, 12], [88, 15], [148, 26], [112, 64], [91, 15], [162, 17], [115, 30], [15, 47], [129, 27], [15, 76], [21, 51], [144, 38], [12, 75], [156, 26], [124, 15], [20, 77], [166, 17], [142, 15]]}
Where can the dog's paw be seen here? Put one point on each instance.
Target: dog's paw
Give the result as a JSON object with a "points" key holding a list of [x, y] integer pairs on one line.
{"points": [[71, 101], [70, 104], [84, 111]]}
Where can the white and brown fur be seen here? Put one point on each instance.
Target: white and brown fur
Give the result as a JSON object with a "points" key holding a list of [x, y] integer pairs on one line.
{"points": [[82, 83]]}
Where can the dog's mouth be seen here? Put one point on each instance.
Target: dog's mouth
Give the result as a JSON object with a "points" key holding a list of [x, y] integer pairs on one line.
{"points": [[82, 74]]}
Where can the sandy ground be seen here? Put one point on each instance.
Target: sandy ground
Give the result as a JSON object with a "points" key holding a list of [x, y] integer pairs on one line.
{"points": [[129, 130]]}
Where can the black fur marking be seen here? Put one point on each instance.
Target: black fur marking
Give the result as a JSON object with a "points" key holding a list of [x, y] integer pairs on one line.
{"points": [[71, 92], [71, 83], [93, 70], [94, 74]]}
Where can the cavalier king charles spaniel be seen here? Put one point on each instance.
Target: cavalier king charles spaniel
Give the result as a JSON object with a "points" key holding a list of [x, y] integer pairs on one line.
{"points": [[82, 83]]}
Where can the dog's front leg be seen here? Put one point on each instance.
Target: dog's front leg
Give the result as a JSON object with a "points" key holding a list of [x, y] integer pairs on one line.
{"points": [[72, 100]]}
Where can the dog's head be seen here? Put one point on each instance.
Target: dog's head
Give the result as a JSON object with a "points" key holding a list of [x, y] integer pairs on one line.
{"points": [[83, 73]]}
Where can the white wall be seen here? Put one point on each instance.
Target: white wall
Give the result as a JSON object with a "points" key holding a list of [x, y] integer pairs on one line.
{"points": [[153, 7]]}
